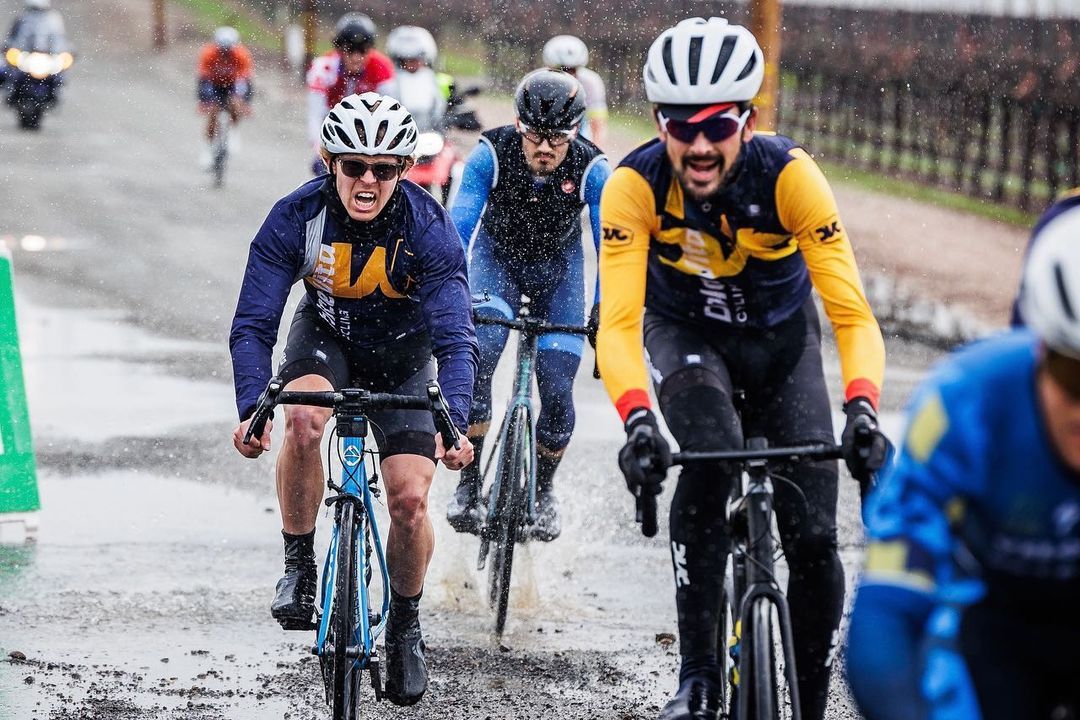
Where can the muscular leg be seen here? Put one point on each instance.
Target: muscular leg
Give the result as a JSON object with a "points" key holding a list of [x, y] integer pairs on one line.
{"points": [[299, 488], [299, 465], [409, 545], [815, 589], [698, 410], [411, 539], [555, 371]]}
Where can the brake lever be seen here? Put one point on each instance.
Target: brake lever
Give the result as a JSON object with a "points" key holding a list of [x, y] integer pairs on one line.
{"points": [[441, 413]]}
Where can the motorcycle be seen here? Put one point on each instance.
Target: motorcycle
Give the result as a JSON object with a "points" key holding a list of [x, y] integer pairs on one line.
{"points": [[439, 166], [34, 79]]}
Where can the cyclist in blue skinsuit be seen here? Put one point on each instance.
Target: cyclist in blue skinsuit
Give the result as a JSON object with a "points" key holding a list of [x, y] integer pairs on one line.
{"points": [[1068, 199], [385, 289], [521, 196], [968, 605]]}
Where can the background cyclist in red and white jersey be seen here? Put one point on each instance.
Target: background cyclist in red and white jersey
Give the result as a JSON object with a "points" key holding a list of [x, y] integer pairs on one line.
{"points": [[354, 66]]}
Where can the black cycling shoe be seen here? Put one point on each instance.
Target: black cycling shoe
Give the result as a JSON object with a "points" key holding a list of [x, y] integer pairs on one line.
{"points": [[406, 667], [294, 599], [464, 511], [698, 698], [548, 524]]}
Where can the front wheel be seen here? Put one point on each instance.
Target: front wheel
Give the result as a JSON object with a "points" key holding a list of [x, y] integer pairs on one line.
{"points": [[768, 673], [341, 672], [30, 115], [511, 482]]}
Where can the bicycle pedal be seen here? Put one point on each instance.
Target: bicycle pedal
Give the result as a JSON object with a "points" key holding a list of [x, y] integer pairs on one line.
{"points": [[298, 624]]}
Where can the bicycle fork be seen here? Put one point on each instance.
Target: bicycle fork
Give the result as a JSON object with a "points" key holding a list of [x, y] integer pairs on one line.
{"points": [[755, 579]]}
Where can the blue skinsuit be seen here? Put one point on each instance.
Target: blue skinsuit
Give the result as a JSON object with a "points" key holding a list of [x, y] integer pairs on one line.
{"points": [[552, 276], [976, 527]]}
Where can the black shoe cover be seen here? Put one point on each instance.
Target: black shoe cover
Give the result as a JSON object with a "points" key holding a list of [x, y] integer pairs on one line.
{"points": [[548, 523], [294, 599], [463, 511], [698, 698], [406, 667]]}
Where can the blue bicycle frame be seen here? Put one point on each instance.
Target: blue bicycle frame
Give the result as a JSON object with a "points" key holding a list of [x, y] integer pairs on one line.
{"points": [[355, 483]]}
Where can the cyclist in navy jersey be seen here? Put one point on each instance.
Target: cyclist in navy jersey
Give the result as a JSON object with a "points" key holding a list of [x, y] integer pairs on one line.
{"points": [[384, 277], [967, 606], [520, 202]]}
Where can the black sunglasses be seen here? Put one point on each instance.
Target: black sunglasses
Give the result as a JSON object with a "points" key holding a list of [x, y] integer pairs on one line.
{"points": [[358, 169]]}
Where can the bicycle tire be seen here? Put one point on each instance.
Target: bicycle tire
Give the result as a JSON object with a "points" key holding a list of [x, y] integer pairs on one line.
{"points": [[221, 149], [766, 688], [343, 620], [727, 647], [508, 516]]}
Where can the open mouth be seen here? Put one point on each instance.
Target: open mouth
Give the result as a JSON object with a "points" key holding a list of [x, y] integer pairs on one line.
{"points": [[702, 169], [364, 200]]}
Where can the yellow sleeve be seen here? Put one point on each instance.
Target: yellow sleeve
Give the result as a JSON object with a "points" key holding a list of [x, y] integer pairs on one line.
{"points": [[808, 210], [628, 218]]}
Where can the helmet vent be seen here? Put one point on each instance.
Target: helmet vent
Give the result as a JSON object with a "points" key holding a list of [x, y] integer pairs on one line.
{"points": [[361, 132], [381, 132], [398, 139], [1063, 291], [669, 64], [344, 136], [724, 57], [347, 105], [371, 106], [695, 58], [750, 64]]}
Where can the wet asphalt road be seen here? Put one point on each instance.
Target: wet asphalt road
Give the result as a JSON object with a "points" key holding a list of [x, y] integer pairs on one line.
{"points": [[146, 593]]}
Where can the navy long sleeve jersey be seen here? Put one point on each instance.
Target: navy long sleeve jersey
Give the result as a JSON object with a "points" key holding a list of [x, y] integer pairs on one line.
{"points": [[370, 287]]}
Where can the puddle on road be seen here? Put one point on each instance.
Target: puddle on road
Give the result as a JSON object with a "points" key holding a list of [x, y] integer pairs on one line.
{"points": [[90, 376]]}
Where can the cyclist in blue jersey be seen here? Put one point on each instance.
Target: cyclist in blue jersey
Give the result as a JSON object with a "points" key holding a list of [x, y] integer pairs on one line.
{"points": [[385, 288], [1068, 199], [967, 606], [520, 203]]}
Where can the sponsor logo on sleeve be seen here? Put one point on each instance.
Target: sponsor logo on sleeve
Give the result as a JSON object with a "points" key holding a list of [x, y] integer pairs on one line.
{"points": [[830, 232], [615, 235]]}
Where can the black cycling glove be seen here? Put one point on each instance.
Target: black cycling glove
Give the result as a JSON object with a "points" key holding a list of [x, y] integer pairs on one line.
{"points": [[646, 456], [864, 446]]}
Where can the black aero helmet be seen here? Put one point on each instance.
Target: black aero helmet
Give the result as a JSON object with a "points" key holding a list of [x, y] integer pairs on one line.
{"points": [[550, 100], [354, 31]]}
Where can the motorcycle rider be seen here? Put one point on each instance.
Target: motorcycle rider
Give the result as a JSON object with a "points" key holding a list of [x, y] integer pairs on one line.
{"points": [[569, 54], [225, 75], [39, 28], [415, 84], [354, 66]]}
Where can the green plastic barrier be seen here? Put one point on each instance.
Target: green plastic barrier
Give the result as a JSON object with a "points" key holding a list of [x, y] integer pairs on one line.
{"points": [[18, 472]]}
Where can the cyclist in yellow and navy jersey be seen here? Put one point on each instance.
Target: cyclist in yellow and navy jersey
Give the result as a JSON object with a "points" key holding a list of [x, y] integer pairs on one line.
{"points": [[713, 239]]}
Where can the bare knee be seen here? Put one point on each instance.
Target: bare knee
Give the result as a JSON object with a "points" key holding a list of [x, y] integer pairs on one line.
{"points": [[408, 508], [304, 427]]}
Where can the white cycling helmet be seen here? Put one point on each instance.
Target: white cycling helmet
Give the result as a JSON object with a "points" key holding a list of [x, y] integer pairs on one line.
{"points": [[1050, 293], [37, 4], [701, 62], [410, 42], [369, 124], [226, 37], [565, 51]]}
